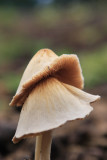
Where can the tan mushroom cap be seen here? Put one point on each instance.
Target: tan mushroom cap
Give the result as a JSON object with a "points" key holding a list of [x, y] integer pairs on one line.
{"points": [[45, 63], [51, 104]]}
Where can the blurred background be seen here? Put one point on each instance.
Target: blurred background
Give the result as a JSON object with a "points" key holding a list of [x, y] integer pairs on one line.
{"points": [[66, 27]]}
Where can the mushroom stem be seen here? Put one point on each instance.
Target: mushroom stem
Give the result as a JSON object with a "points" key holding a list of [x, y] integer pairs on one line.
{"points": [[46, 146], [38, 147]]}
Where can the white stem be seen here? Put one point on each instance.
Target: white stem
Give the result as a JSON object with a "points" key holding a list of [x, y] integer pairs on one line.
{"points": [[46, 146], [38, 147]]}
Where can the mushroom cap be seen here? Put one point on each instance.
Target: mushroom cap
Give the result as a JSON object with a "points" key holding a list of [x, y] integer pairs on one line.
{"points": [[51, 104], [45, 63]]}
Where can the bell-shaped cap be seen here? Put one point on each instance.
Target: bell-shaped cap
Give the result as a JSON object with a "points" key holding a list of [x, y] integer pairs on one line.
{"points": [[45, 63], [51, 104]]}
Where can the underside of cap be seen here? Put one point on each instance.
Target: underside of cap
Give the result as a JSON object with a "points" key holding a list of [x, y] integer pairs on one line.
{"points": [[49, 105], [66, 68]]}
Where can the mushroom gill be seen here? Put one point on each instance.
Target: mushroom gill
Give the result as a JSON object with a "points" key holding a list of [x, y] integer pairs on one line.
{"points": [[51, 104]]}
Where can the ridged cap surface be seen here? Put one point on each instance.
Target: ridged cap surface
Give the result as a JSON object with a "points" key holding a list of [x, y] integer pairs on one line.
{"points": [[51, 104], [45, 63]]}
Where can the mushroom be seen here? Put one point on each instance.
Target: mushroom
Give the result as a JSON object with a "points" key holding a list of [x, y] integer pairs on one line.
{"points": [[50, 93]]}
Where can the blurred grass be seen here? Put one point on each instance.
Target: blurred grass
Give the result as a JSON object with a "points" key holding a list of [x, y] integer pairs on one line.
{"points": [[77, 28], [12, 49], [94, 67], [11, 81]]}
